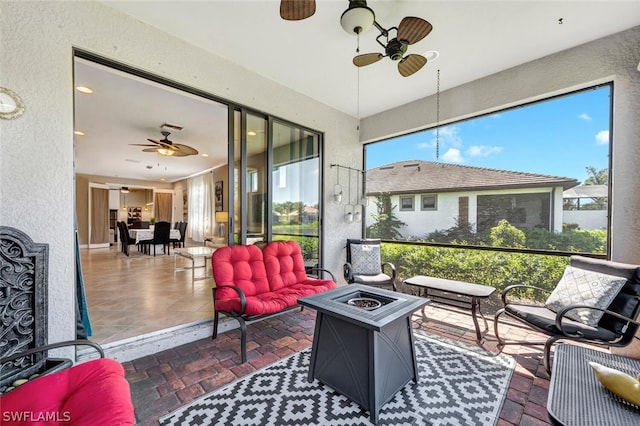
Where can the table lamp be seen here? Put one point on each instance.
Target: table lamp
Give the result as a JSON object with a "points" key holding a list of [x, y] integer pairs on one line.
{"points": [[221, 219]]}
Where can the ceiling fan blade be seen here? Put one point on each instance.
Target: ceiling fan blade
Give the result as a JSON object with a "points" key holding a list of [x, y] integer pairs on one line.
{"points": [[296, 10], [367, 59], [412, 29], [141, 144], [410, 64], [150, 150], [182, 150]]}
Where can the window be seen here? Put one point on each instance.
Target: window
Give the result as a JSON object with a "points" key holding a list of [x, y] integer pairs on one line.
{"points": [[406, 203], [252, 181], [532, 177], [429, 202]]}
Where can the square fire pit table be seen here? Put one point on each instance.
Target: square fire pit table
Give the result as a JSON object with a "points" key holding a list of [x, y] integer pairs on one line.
{"points": [[365, 353]]}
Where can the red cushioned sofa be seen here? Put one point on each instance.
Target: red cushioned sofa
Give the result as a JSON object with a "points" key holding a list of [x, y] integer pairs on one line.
{"points": [[254, 284], [91, 393]]}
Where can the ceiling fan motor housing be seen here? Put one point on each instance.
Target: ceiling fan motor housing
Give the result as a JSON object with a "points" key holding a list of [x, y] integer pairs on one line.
{"points": [[395, 49]]}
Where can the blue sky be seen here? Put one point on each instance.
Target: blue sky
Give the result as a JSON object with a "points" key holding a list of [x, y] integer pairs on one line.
{"points": [[559, 137]]}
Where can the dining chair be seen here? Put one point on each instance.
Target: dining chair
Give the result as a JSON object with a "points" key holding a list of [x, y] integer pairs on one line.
{"points": [[125, 239], [161, 235]]}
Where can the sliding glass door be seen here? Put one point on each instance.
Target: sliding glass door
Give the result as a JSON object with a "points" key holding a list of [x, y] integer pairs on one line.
{"points": [[276, 182], [295, 188]]}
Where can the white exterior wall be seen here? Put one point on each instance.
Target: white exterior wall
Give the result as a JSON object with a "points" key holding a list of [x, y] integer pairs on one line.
{"points": [[419, 223], [614, 58], [36, 163], [586, 219]]}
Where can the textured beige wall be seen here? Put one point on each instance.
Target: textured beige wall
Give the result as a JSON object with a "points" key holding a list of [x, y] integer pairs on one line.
{"points": [[614, 58]]}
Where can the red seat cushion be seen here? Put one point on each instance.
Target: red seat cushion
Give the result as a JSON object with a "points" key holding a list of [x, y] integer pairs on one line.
{"points": [[285, 268], [91, 393], [271, 279]]}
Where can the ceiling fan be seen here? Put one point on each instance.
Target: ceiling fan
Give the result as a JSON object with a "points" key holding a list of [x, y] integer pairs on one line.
{"points": [[167, 147], [359, 18]]}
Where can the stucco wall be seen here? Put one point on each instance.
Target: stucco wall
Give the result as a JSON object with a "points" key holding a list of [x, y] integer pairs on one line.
{"points": [[614, 58], [36, 167]]}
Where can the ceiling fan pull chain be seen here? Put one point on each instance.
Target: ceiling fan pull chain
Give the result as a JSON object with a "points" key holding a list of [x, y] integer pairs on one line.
{"points": [[438, 116]]}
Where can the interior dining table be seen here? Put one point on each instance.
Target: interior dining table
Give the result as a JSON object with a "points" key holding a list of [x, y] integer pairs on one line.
{"points": [[141, 235]]}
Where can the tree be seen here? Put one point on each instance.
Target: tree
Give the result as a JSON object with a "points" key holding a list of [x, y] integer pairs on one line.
{"points": [[597, 177], [386, 225]]}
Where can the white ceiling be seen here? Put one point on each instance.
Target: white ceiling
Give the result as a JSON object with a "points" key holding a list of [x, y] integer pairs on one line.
{"points": [[474, 38]]}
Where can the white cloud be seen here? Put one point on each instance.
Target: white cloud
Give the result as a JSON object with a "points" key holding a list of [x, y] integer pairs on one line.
{"points": [[453, 156], [584, 116], [449, 136], [425, 145], [602, 137], [483, 150]]}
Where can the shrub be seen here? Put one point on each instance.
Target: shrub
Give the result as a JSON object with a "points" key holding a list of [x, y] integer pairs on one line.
{"points": [[496, 269]]}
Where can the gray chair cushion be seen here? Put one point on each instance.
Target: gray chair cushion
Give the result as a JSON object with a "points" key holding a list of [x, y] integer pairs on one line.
{"points": [[544, 319], [378, 279]]}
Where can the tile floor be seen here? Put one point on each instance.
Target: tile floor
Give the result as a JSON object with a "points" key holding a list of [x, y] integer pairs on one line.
{"points": [[139, 294]]}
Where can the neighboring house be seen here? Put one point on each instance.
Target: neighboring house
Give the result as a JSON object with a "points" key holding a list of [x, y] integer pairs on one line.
{"points": [[310, 214], [434, 196], [586, 206]]}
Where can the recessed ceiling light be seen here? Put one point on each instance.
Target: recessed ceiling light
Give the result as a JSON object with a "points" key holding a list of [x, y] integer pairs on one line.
{"points": [[205, 155], [84, 89], [431, 55], [79, 133], [162, 179]]}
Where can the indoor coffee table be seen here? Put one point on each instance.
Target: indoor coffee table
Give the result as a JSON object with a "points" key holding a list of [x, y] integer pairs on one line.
{"points": [[193, 253], [365, 354], [472, 293]]}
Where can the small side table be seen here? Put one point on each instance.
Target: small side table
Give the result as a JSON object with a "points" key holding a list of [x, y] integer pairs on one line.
{"points": [[576, 397], [193, 253], [475, 292]]}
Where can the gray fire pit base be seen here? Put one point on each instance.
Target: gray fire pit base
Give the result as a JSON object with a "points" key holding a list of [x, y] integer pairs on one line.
{"points": [[368, 357]]}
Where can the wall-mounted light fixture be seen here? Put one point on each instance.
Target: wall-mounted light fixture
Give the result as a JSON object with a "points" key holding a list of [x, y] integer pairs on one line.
{"points": [[337, 188]]}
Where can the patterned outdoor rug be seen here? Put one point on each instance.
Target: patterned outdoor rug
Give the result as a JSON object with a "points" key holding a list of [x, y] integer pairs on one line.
{"points": [[458, 385]]}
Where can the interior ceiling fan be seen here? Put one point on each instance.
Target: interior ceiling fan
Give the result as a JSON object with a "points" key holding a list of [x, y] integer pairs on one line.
{"points": [[359, 18], [166, 147]]}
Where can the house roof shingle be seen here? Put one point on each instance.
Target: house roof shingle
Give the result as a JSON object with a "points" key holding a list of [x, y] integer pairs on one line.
{"points": [[418, 176]]}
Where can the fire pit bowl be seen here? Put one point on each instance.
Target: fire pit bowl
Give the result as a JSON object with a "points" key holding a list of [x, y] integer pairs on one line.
{"points": [[366, 303]]}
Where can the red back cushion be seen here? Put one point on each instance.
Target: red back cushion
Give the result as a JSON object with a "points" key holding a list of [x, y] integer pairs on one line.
{"points": [[240, 266], [284, 264]]}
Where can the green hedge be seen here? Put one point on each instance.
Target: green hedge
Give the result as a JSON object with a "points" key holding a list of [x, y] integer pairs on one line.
{"points": [[492, 268]]}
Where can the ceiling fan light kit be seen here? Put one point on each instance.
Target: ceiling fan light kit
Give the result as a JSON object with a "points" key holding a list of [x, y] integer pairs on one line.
{"points": [[358, 18], [166, 151]]}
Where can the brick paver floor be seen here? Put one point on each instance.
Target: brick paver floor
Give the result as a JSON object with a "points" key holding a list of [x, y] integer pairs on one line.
{"points": [[167, 380]]}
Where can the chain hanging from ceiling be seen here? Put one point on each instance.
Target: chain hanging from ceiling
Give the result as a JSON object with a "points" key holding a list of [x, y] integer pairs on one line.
{"points": [[438, 116], [358, 87]]}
